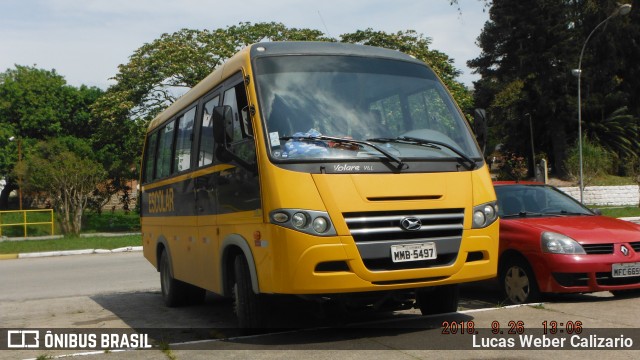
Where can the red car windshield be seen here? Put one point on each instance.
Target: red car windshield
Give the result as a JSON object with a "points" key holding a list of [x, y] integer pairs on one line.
{"points": [[536, 200]]}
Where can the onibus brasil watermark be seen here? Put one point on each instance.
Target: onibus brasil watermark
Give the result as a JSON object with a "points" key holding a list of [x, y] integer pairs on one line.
{"points": [[67, 339]]}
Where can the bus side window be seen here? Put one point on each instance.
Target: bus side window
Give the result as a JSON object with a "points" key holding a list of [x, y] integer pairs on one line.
{"points": [[182, 158], [165, 149], [205, 156], [150, 157]]}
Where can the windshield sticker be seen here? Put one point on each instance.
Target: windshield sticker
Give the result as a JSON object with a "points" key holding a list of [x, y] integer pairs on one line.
{"points": [[275, 138]]}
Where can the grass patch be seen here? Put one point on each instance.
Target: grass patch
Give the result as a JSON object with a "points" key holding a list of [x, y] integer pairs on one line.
{"points": [[117, 221], [611, 180], [629, 211], [70, 243]]}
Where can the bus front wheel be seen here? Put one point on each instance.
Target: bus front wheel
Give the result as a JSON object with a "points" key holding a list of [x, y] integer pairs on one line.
{"points": [[249, 306]]}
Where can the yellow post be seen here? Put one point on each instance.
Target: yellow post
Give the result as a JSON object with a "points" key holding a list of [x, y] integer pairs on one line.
{"points": [[24, 223]]}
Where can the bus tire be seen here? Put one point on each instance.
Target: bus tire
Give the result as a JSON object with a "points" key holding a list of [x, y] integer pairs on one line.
{"points": [[174, 292], [248, 306], [438, 300]]}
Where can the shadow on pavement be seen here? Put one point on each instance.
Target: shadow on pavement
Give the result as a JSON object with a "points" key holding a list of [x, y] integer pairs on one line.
{"points": [[145, 312], [300, 324]]}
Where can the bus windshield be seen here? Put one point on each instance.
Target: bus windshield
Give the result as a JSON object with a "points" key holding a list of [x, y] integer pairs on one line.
{"points": [[349, 107]]}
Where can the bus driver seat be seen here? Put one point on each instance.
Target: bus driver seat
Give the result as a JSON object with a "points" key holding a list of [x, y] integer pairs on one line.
{"points": [[278, 119]]}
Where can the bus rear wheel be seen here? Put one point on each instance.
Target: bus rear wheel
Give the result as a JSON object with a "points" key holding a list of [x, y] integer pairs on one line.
{"points": [[438, 300], [249, 306], [173, 291]]}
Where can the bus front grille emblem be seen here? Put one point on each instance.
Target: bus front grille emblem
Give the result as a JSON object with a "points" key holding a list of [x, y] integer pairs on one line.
{"points": [[411, 224]]}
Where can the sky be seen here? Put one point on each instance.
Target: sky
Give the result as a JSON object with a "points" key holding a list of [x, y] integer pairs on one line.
{"points": [[86, 40]]}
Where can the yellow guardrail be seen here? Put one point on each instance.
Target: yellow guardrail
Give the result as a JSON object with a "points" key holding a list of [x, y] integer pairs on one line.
{"points": [[14, 220]]}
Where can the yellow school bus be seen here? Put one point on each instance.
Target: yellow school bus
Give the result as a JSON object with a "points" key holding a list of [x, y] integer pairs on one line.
{"points": [[337, 172]]}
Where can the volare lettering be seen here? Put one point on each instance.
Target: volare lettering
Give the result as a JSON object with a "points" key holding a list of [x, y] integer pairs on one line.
{"points": [[346, 167]]}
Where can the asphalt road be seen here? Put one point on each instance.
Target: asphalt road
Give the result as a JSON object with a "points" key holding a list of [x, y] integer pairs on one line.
{"points": [[121, 291], [80, 275]]}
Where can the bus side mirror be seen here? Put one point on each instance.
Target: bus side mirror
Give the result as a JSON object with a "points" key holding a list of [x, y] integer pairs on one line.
{"points": [[480, 128], [222, 124], [222, 119]]}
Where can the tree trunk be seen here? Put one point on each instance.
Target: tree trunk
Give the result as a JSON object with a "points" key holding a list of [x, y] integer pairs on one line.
{"points": [[559, 144], [76, 224], [4, 195]]}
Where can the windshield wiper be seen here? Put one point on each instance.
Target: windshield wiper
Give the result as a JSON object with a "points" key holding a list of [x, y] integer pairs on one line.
{"points": [[529, 213], [401, 165], [565, 212], [428, 143]]}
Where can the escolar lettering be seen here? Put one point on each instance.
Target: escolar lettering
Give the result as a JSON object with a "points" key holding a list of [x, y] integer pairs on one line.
{"points": [[161, 201]]}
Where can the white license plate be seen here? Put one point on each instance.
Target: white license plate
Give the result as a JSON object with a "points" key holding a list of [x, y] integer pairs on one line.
{"points": [[625, 270], [413, 252]]}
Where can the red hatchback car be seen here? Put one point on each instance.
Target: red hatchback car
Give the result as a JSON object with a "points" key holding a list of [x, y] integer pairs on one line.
{"points": [[550, 243]]}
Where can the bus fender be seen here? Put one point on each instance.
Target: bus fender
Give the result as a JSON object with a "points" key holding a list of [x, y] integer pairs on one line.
{"points": [[162, 242], [235, 240]]}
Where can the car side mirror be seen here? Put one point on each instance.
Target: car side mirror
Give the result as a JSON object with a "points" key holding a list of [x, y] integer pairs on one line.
{"points": [[597, 211]]}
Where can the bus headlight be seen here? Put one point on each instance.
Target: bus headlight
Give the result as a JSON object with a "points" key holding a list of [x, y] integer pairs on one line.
{"points": [[299, 220], [484, 215], [311, 222], [320, 225]]}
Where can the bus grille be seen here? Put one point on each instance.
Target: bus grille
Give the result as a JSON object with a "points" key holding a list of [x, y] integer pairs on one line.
{"points": [[375, 232]]}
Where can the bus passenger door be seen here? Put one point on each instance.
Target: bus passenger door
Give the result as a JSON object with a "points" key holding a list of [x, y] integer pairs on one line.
{"points": [[239, 189]]}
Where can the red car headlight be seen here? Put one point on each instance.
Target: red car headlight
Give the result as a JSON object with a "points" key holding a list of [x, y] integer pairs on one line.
{"points": [[555, 243]]}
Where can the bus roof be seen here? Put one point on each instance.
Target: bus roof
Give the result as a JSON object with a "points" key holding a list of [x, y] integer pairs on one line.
{"points": [[324, 48]]}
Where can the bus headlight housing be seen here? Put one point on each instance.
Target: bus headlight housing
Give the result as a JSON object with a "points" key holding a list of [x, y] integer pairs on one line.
{"points": [[484, 215], [310, 222]]}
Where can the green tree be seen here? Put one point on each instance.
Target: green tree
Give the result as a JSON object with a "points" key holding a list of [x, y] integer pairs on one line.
{"points": [[617, 132], [526, 45], [36, 104], [62, 171], [537, 43]]}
